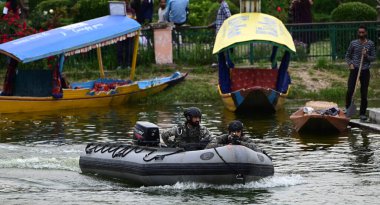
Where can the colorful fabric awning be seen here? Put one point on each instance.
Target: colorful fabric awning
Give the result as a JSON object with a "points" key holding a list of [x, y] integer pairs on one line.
{"points": [[252, 27]]}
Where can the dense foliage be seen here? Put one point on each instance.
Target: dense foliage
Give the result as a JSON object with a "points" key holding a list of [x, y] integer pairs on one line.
{"points": [[354, 11], [203, 12], [322, 9], [277, 8], [89, 9], [372, 3]]}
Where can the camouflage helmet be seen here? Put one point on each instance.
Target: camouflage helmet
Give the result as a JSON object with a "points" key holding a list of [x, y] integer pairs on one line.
{"points": [[235, 125]]}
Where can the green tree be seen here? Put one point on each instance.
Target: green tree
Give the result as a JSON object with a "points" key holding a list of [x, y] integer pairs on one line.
{"points": [[203, 12], [277, 8], [354, 11]]}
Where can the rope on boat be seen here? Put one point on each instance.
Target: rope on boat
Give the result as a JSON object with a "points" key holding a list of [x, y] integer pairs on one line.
{"points": [[239, 176], [117, 150], [122, 150], [160, 157]]}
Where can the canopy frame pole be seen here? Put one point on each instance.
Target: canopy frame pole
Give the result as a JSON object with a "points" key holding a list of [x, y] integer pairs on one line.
{"points": [[61, 61], [134, 57], [251, 55], [273, 57], [100, 61]]}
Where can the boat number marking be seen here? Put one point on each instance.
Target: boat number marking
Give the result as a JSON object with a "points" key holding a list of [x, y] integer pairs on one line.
{"points": [[207, 156]]}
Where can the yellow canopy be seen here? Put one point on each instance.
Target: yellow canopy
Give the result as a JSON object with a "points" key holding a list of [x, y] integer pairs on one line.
{"points": [[248, 27]]}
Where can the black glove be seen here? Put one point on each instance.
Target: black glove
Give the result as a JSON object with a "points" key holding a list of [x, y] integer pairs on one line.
{"points": [[235, 140]]}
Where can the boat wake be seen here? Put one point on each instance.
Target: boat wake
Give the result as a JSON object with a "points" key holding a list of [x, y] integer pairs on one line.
{"points": [[269, 182], [47, 157]]}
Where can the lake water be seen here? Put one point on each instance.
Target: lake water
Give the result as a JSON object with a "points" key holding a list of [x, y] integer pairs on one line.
{"points": [[39, 160]]}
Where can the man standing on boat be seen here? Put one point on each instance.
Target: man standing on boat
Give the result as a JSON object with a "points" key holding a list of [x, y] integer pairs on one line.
{"points": [[189, 133], [235, 136], [357, 48]]}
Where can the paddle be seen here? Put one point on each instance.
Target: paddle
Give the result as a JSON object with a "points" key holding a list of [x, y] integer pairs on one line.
{"points": [[351, 110]]}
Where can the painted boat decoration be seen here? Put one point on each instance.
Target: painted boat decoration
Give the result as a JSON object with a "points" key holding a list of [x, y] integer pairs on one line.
{"points": [[251, 89], [320, 119], [27, 90]]}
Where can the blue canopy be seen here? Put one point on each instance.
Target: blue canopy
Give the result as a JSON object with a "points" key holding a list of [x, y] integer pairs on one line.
{"points": [[71, 39]]}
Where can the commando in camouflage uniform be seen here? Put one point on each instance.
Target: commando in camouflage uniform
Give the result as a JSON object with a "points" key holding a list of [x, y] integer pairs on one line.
{"points": [[184, 135], [228, 139]]}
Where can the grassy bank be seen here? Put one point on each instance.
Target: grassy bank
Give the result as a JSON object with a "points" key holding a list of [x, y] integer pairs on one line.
{"points": [[199, 86], [326, 80], [320, 80]]}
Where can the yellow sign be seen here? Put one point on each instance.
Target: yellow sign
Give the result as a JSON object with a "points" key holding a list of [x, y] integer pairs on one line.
{"points": [[249, 27]]}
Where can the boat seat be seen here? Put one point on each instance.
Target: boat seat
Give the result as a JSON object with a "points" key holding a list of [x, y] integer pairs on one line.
{"points": [[243, 78]]}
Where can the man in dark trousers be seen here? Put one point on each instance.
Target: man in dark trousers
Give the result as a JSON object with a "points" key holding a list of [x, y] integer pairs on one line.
{"points": [[357, 48]]}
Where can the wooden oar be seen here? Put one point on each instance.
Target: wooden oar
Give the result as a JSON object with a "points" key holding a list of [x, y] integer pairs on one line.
{"points": [[351, 110]]}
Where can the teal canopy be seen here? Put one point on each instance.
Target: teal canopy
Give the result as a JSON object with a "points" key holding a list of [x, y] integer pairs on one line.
{"points": [[72, 39]]}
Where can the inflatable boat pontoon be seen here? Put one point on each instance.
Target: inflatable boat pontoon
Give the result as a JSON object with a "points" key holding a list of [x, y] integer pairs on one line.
{"points": [[164, 166]]}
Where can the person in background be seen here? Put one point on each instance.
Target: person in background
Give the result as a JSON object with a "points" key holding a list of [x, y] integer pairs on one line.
{"points": [[190, 132], [300, 12], [357, 48], [235, 136], [161, 11], [145, 14], [125, 47], [223, 14], [177, 11], [11, 7], [136, 5], [24, 6]]}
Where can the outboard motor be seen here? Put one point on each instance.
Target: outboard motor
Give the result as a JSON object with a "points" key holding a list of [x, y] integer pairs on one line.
{"points": [[146, 134]]}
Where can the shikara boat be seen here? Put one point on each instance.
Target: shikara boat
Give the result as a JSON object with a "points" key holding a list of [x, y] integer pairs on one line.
{"points": [[320, 119], [28, 90], [251, 89]]}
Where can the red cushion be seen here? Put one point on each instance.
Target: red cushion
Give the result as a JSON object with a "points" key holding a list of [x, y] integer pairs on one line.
{"points": [[247, 78]]}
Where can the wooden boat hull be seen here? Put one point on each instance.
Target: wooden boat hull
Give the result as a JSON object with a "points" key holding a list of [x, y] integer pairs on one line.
{"points": [[142, 93], [317, 123], [256, 99], [156, 88], [178, 80], [72, 99], [83, 98]]}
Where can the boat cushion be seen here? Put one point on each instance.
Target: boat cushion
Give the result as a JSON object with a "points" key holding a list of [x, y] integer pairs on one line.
{"points": [[106, 84], [248, 78]]}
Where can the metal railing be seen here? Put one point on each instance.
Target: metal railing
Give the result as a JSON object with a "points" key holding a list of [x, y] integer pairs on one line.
{"points": [[327, 40], [193, 45]]}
